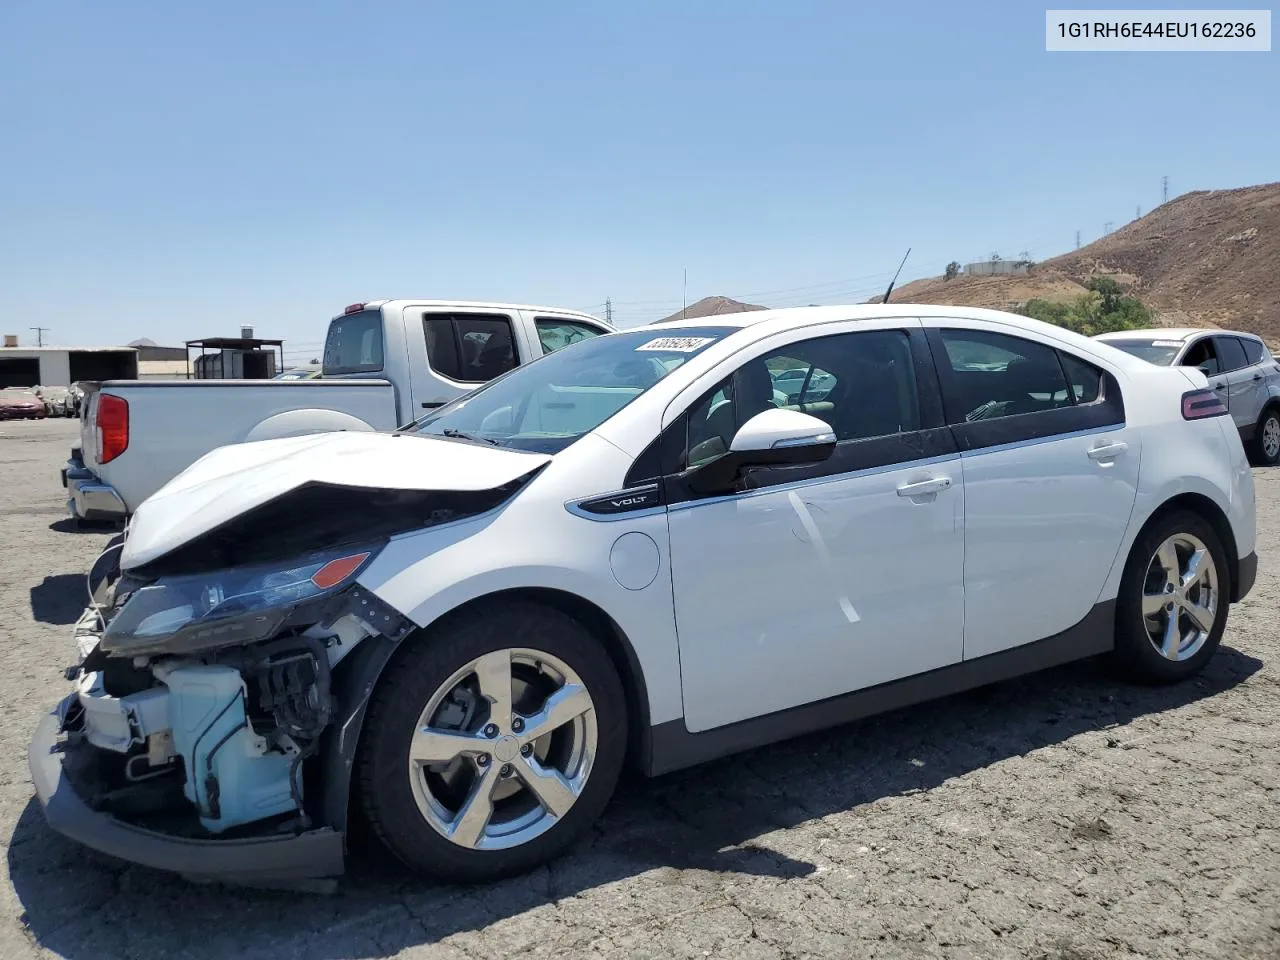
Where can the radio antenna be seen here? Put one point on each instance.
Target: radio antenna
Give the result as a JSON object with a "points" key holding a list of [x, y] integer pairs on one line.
{"points": [[895, 276]]}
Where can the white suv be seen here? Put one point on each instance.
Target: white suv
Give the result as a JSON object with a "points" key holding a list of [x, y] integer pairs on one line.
{"points": [[471, 624]]}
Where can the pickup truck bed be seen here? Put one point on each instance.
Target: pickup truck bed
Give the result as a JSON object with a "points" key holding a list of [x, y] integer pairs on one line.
{"points": [[219, 412]]}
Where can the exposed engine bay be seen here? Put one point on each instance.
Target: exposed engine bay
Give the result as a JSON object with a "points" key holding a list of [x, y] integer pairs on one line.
{"points": [[213, 740]]}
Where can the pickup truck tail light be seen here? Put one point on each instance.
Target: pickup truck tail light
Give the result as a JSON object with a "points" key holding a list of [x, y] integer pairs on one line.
{"points": [[113, 427], [1198, 404]]}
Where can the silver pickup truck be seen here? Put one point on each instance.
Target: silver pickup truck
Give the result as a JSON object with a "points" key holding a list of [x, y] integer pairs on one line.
{"points": [[1239, 366], [386, 363]]}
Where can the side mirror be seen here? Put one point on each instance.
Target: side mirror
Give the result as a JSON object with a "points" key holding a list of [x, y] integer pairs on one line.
{"points": [[773, 438]]}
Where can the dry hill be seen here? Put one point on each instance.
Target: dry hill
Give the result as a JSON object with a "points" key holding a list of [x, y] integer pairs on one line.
{"points": [[1208, 258], [710, 307]]}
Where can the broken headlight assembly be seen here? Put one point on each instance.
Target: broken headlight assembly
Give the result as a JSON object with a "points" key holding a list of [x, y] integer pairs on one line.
{"points": [[230, 607]]}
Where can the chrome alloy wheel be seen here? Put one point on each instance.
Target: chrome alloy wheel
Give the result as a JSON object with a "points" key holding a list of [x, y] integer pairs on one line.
{"points": [[503, 749], [1180, 597], [1271, 437]]}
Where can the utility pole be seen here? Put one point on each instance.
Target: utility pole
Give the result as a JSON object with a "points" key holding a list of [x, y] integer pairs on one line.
{"points": [[608, 310], [40, 332], [1077, 239], [1106, 228], [1139, 216], [684, 298], [1164, 189]]}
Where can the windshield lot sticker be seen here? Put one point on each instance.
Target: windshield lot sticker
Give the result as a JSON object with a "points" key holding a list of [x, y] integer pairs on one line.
{"points": [[1166, 343], [678, 344]]}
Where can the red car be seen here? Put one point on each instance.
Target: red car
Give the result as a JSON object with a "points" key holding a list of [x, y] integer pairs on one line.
{"points": [[20, 405]]}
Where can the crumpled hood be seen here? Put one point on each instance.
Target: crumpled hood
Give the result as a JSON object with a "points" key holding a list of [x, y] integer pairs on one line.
{"points": [[231, 480]]}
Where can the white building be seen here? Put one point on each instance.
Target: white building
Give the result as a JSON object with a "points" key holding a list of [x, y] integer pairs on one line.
{"points": [[63, 366]]}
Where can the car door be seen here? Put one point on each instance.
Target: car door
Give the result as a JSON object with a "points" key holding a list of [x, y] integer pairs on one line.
{"points": [[810, 581], [1050, 478], [1244, 398]]}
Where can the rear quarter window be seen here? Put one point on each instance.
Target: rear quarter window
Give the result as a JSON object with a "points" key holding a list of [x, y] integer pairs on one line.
{"points": [[354, 344]]}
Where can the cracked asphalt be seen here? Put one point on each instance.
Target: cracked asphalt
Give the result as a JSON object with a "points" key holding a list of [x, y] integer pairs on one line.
{"points": [[1061, 817]]}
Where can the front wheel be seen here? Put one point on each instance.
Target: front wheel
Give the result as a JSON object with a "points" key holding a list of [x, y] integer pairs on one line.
{"points": [[492, 743], [1265, 448], [1174, 595]]}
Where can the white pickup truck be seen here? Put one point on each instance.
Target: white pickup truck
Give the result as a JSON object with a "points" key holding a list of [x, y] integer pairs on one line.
{"points": [[386, 363]]}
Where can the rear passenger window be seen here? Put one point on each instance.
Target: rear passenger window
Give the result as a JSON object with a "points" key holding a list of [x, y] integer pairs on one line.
{"points": [[1084, 378], [469, 347], [1252, 349], [994, 375]]}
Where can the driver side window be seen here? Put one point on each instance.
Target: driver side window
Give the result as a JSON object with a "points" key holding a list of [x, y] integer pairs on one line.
{"points": [[1203, 355], [862, 385]]}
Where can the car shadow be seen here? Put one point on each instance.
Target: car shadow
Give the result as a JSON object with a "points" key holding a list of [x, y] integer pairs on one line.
{"points": [[83, 906], [59, 599], [71, 525]]}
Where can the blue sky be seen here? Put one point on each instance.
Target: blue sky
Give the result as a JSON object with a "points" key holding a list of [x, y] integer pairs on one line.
{"points": [[173, 170]]}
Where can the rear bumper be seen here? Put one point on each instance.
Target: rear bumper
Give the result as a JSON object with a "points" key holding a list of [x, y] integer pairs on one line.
{"points": [[1246, 574], [314, 855], [88, 497]]}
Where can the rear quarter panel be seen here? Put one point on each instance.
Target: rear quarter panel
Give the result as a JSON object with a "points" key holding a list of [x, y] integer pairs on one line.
{"points": [[1203, 457]]}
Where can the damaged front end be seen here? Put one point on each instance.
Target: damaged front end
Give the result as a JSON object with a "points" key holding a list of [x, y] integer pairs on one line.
{"points": [[210, 729]]}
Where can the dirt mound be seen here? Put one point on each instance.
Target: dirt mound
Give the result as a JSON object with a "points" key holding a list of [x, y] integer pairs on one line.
{"points": [[1209, 258], [710, 307]]}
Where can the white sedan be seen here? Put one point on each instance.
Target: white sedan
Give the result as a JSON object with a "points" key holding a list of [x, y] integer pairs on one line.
{"points": [[472, 624]]}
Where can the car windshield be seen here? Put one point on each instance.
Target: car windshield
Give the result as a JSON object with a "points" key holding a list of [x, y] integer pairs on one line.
{"points": [[1159, 352], [548, 404]]}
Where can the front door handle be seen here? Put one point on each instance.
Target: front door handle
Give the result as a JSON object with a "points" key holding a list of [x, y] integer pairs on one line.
{"points": [[923, 488], [1257, 376], [1107, 451], [1221, 386]]}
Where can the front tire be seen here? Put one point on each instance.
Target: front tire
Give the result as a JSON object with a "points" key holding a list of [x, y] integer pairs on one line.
{"points": [[492, 743], [1264, 449], [1174, 596]]}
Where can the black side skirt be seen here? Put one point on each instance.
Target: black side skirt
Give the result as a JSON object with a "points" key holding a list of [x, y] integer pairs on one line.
{"points": [[673, 747]]}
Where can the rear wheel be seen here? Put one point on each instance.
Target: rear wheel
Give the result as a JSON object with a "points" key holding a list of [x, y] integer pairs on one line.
{"points": [[1172, 607], [493, 743], [1265, 446]]}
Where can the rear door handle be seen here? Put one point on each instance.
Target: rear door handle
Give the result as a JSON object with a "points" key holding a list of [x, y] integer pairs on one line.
{"points": [[923, 488], [1107, 451], [1257, 376], [1221, 386]]}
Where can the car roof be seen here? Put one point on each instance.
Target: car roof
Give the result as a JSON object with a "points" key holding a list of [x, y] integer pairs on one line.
{"points": [[483, 305], [1171, 333]]}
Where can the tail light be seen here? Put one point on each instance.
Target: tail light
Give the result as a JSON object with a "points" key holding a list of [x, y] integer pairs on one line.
{"points": [[113, 427], [1199, 404]]}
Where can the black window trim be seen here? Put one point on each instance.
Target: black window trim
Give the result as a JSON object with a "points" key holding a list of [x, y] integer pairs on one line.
{"points": [[1105, 411], [453, 316], [662, 460]]}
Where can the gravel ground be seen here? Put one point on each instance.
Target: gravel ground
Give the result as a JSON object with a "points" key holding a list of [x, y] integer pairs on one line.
{"points": [[1063, 816]]}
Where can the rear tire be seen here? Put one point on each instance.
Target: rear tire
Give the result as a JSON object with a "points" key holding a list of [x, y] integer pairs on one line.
{"points": [[1174, 595], [1264, 448], [504, 799]]}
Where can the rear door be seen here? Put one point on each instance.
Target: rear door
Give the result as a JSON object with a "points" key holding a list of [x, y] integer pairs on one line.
{"points": [[1050, 478], [1242, 398], [1252, 383]]}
